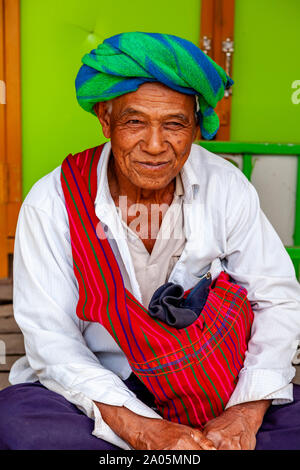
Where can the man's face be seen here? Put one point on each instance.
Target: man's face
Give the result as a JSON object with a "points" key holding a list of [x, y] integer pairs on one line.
{"points": [[151, 132]]}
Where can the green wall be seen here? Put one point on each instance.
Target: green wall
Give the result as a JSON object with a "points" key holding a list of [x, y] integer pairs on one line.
{"points": [[55, 34], [266, 63]]}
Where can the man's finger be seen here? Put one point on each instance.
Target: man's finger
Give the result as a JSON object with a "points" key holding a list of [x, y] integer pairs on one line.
{"points": [[215, 437], [248, 441], [205, 443], [230, 443]]}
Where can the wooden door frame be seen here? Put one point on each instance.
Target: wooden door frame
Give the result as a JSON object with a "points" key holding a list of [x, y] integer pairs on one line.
{"points": [[10, 129], [217, 25]]}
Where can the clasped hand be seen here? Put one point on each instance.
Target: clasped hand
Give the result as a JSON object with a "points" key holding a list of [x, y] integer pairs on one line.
{"points": [[234, 429]]}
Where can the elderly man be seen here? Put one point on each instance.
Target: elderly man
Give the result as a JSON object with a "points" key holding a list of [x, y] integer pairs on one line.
{"points": [[197, 215]]}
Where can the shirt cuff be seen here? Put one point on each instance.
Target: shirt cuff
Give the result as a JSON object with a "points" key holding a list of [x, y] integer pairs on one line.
{"points": [[103, 431], [263, 384]]}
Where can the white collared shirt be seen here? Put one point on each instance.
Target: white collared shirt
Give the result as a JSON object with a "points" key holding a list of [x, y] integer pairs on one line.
{"points": [[153, 269], [224, 228]]}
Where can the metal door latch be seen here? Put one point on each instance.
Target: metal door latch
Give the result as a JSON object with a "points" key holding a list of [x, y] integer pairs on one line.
{"points": [[228, 49], [206, 41]]}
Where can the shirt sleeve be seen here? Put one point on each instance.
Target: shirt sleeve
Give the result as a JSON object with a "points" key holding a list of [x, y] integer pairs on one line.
{"points": [[257, 259], [45, 299]]}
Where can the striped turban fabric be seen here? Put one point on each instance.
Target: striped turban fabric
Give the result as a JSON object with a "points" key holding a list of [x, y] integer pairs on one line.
{"points": [[124, 62]]}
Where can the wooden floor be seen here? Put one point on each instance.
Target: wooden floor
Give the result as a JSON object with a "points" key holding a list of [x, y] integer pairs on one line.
{"points": [[11, 338]]}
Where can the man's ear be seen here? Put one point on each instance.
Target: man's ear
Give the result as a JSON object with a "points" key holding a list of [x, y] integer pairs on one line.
{"points": [[101, 109]]}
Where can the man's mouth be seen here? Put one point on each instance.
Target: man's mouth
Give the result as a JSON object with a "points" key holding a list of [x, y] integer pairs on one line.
{"points": [[154, 165]]}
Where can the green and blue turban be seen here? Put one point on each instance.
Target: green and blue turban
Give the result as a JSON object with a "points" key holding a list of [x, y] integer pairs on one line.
{"points": [[124, 62]]}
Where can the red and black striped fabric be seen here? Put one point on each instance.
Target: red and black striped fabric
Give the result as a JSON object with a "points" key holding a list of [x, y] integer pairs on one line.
{"points": [[191, 371]]}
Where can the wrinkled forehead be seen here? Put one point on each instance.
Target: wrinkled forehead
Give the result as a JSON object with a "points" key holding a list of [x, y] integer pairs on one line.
{"points": [[154, 97]]}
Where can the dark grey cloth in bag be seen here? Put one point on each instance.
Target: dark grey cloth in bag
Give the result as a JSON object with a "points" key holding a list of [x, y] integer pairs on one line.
{"points": [[168, 305]]}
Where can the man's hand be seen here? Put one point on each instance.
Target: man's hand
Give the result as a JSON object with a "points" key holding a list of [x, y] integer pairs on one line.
{"points": [[166, 435], [236, 427], [152, 434]]}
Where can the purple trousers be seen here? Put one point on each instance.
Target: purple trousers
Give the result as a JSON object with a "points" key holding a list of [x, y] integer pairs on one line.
{"points": [[33, 417]]}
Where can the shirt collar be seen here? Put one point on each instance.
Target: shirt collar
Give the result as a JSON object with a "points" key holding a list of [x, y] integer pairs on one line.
{"points": [[189, 175], [179, 190]]}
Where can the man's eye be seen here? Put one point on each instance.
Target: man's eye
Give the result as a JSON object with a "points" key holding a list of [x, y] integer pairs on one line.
{"points": [[174, 124], [134, 121]]}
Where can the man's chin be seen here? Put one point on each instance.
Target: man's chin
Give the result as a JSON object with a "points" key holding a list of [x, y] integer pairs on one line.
{"points": [[152, 183]]}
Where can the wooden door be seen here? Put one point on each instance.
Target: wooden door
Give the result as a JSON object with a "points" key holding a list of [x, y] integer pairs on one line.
{"points": [[217, 31], [10, 129]]}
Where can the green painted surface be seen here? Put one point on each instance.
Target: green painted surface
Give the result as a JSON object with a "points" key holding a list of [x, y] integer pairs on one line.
{"points": [[55, 35], [247, 165], [296, 235], [258, 148], [266, 64]]}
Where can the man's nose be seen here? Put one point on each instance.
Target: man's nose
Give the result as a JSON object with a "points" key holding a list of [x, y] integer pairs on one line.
{"points": [[153, 141]]}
